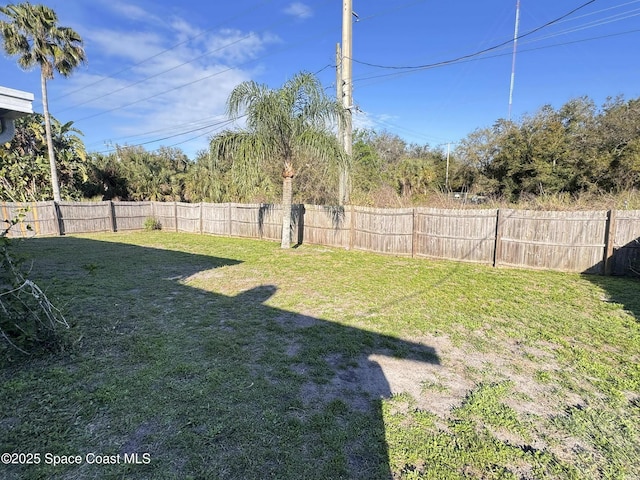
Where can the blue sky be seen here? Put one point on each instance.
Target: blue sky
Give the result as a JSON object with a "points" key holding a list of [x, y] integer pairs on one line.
{"points": [[159, 71]]}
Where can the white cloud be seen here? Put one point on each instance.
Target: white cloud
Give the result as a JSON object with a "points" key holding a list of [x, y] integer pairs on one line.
{"points": [[134, 46], [377, 121], [131, 12], [237, 46], [299, 9], [165, 83]]}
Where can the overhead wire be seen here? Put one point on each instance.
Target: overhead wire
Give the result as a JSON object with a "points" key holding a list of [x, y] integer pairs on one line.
{"points": [[155, 75], [206, 77], [196, 58], [407, 69], [478, 53], [173, 47], [477, 56], [602, 21], [409, 72]]}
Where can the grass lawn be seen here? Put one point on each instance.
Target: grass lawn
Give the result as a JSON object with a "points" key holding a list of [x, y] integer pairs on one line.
{"points": [[229, 358]]}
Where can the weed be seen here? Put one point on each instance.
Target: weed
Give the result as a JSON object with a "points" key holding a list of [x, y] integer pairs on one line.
{"points": [[152, 223]]}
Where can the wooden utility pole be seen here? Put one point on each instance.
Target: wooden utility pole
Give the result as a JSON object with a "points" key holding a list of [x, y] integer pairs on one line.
{"points": [[346, 95], [339, 89]]}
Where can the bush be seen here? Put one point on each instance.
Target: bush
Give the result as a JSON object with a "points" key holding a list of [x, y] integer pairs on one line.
{"points": [[29, 322], [152, 223]]}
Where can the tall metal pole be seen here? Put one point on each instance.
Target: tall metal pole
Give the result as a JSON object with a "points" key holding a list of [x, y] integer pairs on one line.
{"points": [[513, 58], [347, 95]]}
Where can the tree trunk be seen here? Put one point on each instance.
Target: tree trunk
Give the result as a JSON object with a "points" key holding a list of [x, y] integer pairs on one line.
{"points": [[287, 199], [47, 127]]}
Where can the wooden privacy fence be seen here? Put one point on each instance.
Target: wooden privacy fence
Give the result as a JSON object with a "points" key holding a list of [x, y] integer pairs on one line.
{"points": [[605, 242]]}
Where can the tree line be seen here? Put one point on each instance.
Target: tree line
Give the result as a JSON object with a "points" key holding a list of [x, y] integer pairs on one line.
{"points": [[577, 148]]}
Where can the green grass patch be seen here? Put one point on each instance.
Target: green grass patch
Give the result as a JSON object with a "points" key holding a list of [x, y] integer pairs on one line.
{"points": [[229, 358]]}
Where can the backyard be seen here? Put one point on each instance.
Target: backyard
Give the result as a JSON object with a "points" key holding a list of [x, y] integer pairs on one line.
{"points": [[213, 357]]}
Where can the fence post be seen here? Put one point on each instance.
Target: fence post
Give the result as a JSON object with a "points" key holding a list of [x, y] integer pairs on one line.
{"points": [[352, 227], [497, 249], [413, 232], [57, 218], [230, 219], [175, 213], [112, 216], [201, 218], [609, 240]]}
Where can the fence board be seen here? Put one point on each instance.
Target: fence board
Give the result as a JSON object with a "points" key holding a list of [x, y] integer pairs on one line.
{"points": [[188, 217], [256, 220], [626, 244], [467, 235], [326, 225], [215, 218], [566, 241], [131, 215], [38, 218], [85, 217], [165, 213], [383, 230]]}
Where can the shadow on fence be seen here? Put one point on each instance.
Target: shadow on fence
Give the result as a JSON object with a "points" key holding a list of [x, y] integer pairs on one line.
{"points": [[581, 241]]}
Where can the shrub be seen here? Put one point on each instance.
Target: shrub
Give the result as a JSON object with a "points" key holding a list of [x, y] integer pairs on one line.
{"points": [[152, 223]]}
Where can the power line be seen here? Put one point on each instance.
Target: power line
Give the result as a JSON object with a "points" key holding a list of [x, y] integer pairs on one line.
{"points": [[244, 12], [178, 87], [480, 52], [157, 74], [198, 57], [216, 126], [203, 122], [409, 72], [206, 77]]}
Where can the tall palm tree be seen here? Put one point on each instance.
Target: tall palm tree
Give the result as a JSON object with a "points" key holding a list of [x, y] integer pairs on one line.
{"points": [[33, 34], [284, 125]]}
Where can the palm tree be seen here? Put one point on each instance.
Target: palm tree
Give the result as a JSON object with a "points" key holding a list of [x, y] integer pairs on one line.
{"points": [[34, 35], [284, 125]]}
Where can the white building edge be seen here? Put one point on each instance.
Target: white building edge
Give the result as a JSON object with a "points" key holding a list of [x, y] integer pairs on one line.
{"points": [[13, 104]]}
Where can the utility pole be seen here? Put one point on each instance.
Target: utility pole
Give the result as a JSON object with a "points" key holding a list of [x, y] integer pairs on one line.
{"points": [[346, 95], [513, 58], [339, 89]]}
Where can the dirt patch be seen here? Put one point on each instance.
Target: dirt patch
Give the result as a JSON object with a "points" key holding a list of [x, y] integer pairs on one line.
{"points": [[438, 388], [136, 442]]}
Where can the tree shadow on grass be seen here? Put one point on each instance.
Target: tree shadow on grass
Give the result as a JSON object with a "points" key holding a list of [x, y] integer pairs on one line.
{"points": [[624, 286], [208, 385], [624, 291]]}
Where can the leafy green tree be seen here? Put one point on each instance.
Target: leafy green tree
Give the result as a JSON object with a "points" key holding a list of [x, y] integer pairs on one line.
{"points": [[367, 166], [289, 126], [618, 136], [24, 165], [415, 176], [132, 173], [106, 179], [574, 149], [33, 34], [155, 176]]}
